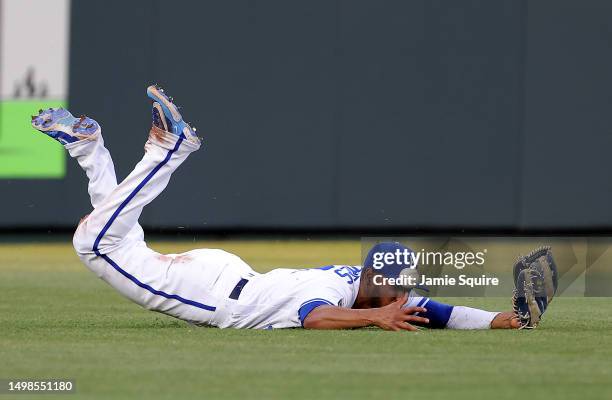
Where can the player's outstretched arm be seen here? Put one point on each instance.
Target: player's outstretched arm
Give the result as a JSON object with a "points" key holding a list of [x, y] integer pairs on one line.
{"points": [[446, 316], [391, 317], [536, 281]]}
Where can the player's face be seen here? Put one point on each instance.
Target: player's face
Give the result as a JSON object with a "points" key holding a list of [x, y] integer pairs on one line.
{"points": [[380, 295], [388, 294]]}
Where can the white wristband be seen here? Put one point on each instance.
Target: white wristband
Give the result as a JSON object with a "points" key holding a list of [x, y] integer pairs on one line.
{"points": [[470, 318]]}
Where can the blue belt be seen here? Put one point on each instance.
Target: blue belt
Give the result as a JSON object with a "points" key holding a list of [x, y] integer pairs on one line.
{"points": [[238, 289]]}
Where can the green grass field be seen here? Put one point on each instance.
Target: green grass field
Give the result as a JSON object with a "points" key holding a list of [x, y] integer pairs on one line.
{"points": [[57, 320]]}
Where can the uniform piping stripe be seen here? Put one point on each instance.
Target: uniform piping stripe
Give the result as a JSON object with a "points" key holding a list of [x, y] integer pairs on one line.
{"points": [[422, 303]]}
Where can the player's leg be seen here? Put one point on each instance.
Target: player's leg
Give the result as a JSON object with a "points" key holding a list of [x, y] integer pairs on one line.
{"points": [[98, 165], [82, 138], [170, 142], [178, 285]]}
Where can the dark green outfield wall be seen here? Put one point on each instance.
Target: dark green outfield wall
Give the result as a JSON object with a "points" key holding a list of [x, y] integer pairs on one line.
{"points": [[344, 114]]}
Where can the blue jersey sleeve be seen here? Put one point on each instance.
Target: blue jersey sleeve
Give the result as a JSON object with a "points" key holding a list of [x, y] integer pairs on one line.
{"points": [[307, 307]]}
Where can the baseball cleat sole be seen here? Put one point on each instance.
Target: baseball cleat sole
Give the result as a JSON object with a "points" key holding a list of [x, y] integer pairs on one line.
{"points": [[157, 94], [61, 125], [169, 115]]}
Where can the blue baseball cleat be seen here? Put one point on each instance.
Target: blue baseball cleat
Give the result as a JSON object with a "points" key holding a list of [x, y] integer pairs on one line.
{"points": [[166, 115], [62, 126]]}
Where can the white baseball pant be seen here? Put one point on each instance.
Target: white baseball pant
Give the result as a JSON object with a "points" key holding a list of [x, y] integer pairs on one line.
{"points": [[192, 286]]}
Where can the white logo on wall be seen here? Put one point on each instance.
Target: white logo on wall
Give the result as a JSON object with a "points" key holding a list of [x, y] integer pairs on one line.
{"points": [[30, 88]]}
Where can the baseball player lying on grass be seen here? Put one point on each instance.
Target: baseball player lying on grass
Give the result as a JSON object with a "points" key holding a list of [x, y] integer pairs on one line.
{"points": [[215, 288]]}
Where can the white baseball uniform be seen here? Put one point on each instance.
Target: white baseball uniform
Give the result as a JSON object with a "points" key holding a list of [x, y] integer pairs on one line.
{"points": [[205, 286]]}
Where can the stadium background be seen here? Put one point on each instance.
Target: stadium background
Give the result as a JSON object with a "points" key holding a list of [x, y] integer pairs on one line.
{"points": [[325, 122], [333, 115]]}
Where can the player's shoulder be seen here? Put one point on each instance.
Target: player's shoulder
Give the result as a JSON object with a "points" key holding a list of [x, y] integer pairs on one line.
{"points": [[335, 266], [347, 273]]}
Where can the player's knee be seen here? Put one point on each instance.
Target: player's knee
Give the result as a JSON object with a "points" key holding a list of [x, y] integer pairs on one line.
{"points": [[83, 239]]}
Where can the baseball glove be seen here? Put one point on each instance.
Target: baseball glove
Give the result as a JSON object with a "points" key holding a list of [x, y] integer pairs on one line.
{"points": [[535, 281]]}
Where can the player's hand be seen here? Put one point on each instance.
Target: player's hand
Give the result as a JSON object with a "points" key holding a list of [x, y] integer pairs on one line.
{"points": [[395, 318]]}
